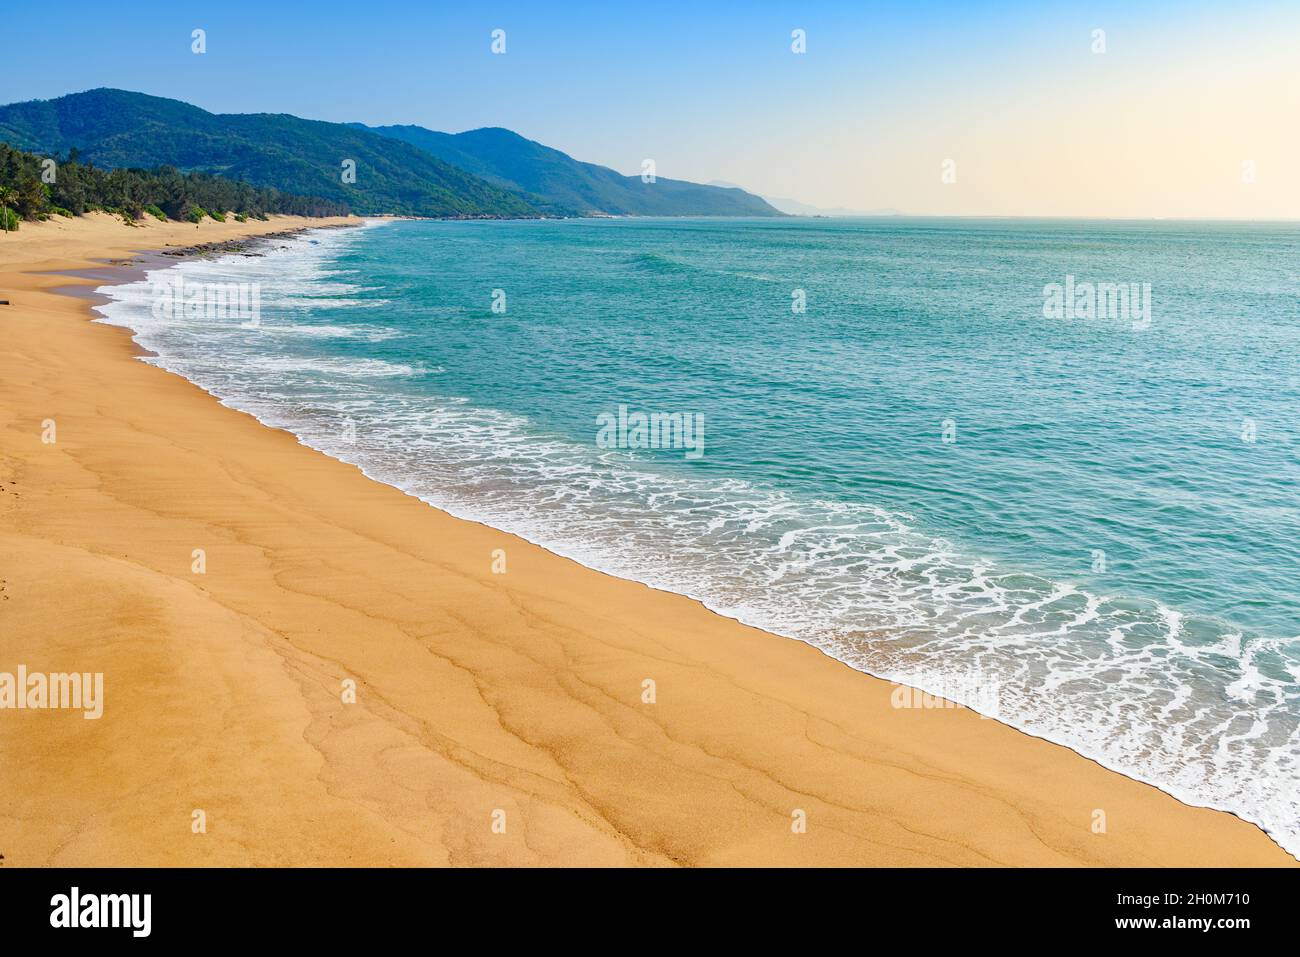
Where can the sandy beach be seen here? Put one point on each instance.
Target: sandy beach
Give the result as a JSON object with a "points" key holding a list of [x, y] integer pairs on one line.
{"points": [[499, 718]]}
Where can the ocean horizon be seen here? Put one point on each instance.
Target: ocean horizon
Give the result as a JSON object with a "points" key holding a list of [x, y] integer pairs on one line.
{"points": [[1043, 468]]}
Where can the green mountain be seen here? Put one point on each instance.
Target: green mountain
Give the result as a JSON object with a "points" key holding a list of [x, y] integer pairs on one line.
{"points": [[557, 182], [399, 169], [116, 128]]}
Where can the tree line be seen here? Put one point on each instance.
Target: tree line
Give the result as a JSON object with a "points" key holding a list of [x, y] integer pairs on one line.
{"points": [[35, 187]]}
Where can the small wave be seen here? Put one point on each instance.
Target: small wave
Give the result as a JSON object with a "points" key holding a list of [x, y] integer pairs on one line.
{"points": [[324, 302], [655, 262], [351, 368], [368, 333]]}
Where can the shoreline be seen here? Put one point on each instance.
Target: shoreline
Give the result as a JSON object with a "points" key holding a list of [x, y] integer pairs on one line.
{"points": [[748, 728]]}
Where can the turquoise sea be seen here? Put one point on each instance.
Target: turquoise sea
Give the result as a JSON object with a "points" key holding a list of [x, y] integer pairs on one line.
{"points": [[1086, 527]]}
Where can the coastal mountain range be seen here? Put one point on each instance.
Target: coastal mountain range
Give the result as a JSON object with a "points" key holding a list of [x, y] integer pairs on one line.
{"points": [[407, 170], [552, 178]]}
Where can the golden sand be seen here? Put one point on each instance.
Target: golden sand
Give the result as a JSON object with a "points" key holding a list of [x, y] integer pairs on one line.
{"points": [[482, 699]]}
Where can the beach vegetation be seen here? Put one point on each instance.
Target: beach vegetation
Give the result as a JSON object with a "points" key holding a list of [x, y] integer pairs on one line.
{"points": [[163, 192]]}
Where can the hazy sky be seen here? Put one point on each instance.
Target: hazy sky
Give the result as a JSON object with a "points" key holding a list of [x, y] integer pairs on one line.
{"points": [[1188, 104]]}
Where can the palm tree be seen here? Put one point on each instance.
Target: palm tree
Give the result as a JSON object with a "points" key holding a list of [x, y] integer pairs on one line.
{"points": [[8, 196]]}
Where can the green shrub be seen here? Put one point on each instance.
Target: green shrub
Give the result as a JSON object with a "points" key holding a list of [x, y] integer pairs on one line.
{"points": [[8, 219], [240, 218], [196, 214], [60, 211], [218, 215], [156, 213]]}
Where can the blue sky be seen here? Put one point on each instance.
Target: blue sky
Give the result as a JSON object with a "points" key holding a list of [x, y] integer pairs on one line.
{"points": [[713, 91]]}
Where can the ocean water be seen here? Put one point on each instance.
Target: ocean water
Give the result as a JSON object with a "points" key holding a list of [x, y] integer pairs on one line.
{"points": [[1086, 527]]}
